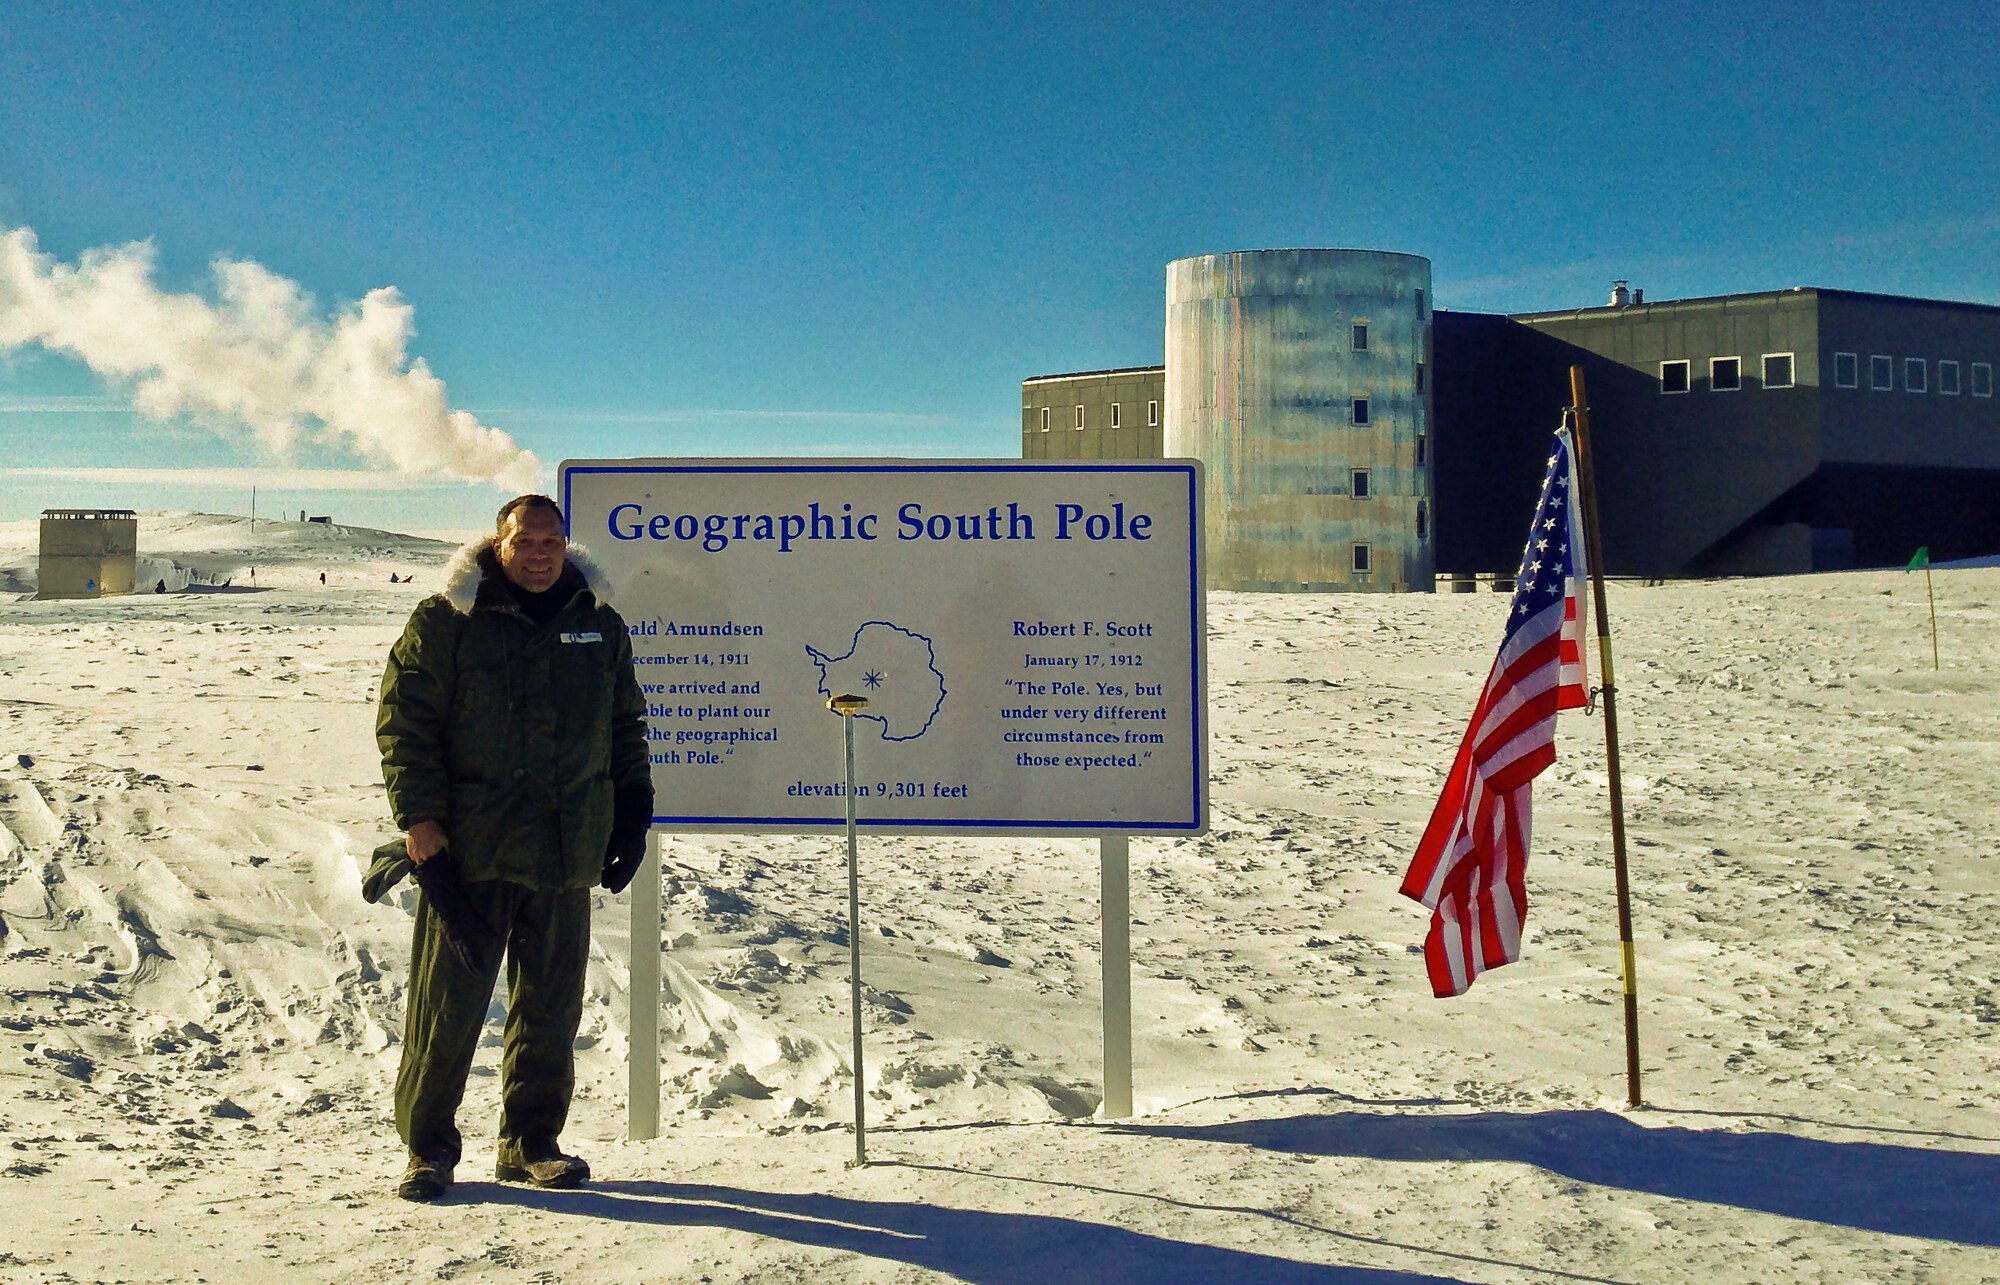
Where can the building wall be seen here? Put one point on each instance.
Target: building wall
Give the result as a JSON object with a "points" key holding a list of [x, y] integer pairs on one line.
{"points": [[1913, 423], [1486, 444], [1771, 478], [1136, 393], [1263, 377], [1913, 464], [87, 553], [1679, 472]]}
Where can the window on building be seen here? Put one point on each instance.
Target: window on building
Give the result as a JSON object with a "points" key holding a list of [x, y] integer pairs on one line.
{"points": [[1079, 417], [1152, 414], [1114, 414], [1423, 521], [1674, 376], [1358, 481], [1881, 373], [1421, 443], [1916, 375], [1045, 419], [1361, 410], [1420, 377], [1846, 370], [1725, 374], [1948, 378], [1361, 336], [1361, 557], [1982, 379], [1777, 370], [1420, 303]]}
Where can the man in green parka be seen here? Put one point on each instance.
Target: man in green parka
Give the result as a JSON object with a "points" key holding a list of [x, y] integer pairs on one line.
{"points": [[513, 742]]}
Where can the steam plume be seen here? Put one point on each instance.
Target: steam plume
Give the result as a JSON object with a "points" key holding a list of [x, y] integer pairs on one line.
{"points": [[257, 354]]}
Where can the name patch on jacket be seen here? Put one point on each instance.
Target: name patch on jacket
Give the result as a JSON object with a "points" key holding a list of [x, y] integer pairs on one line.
{"points": [[592, 636]]}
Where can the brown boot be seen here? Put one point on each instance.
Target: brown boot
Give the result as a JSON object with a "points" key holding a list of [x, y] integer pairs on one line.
{"points": [[425, 1179], [541, 1166]]}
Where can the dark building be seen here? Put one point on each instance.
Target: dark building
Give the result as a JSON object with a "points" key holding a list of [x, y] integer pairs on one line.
{"points": [[1752, 434], [1785, 431], [1094, 415]]}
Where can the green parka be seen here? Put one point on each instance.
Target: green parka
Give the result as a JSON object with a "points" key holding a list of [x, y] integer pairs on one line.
{"points": [[513, 737]]}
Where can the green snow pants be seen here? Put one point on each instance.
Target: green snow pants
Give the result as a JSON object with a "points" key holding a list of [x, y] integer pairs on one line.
{"points": [[547, 933]]}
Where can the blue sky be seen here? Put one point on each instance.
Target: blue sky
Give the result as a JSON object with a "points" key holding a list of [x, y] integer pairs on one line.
{"points": [[631, 230]]}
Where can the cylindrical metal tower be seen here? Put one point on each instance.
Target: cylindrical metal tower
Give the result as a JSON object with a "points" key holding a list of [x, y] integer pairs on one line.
{"points": [[1299, 378]]}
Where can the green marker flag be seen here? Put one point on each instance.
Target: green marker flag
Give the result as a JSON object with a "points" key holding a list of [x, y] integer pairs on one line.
{"points": [[1922, 558]]}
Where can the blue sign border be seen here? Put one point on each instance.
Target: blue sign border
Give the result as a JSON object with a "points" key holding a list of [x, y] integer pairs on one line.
{"points": [[1197, 710]]}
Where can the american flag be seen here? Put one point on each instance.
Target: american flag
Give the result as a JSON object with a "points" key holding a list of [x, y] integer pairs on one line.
{"points": [[1470, 864]]}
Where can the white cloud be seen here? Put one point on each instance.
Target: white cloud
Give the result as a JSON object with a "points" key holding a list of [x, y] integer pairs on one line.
{"points": [[258, 355]]}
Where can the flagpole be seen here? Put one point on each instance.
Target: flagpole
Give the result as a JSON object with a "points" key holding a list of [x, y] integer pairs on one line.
{"points": [[1933, 598], [1593, 552]]}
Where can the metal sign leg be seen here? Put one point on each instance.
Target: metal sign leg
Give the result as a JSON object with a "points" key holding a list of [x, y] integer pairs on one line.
{"points": [[642, 1112], [1115, 876]]}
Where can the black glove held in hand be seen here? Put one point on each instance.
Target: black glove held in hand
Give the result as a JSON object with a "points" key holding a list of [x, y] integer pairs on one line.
{"points": [[631, 818], [464, 931]]}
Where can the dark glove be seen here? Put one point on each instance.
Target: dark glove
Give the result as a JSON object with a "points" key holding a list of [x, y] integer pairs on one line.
{"points": [[390, 866], [631, 818], [464, 931]]}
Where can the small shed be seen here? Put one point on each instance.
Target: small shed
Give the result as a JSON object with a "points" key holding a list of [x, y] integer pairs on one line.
{"points": [[87, 553]]}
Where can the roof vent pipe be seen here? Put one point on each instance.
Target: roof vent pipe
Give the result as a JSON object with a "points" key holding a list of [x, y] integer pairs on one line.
{"points": [[1620, 296], [1638, 296]]}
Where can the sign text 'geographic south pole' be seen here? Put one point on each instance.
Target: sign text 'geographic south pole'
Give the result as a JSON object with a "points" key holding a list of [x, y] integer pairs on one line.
{"points": [[1030, 637]]}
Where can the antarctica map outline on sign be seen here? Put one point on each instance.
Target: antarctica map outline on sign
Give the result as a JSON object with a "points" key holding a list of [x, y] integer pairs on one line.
{"points": [[1029, 637], [883, 665]]}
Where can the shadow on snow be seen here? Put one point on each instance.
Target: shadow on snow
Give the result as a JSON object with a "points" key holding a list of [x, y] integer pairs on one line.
{"points": [[968, 1244], [1872, 1186]]}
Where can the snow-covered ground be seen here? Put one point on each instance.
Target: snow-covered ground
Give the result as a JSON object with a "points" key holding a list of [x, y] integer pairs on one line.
{"points": [[200, 1017]]}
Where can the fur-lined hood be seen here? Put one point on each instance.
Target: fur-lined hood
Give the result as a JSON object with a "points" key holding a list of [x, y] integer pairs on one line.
{"points": [[469, 567]]}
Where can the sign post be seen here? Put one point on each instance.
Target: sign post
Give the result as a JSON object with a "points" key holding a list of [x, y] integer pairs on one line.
{"points": [[1029, 636], [1114, 853], [643, 1057]]}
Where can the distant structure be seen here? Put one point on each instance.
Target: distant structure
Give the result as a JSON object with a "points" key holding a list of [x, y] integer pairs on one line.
{"points": [[1355, 438], [1297, 378], [87, 553], [1093, 415]]}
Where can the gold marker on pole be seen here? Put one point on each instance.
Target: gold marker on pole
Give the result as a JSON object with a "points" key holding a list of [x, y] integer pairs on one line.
{"points": [[1593, 551], [847, 705]]}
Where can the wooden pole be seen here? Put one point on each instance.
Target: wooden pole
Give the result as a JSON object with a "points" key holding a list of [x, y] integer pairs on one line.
{"points": [[1593, 552], [1933, 598]]}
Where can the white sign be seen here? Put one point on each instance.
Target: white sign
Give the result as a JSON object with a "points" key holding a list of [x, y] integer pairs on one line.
{"points": [[1029, 636]]}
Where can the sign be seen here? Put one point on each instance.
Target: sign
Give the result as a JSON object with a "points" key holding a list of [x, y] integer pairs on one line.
{"points": [[1030, 638]]}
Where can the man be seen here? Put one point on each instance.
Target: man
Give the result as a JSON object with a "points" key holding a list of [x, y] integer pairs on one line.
{"points": [[514, 747]]}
